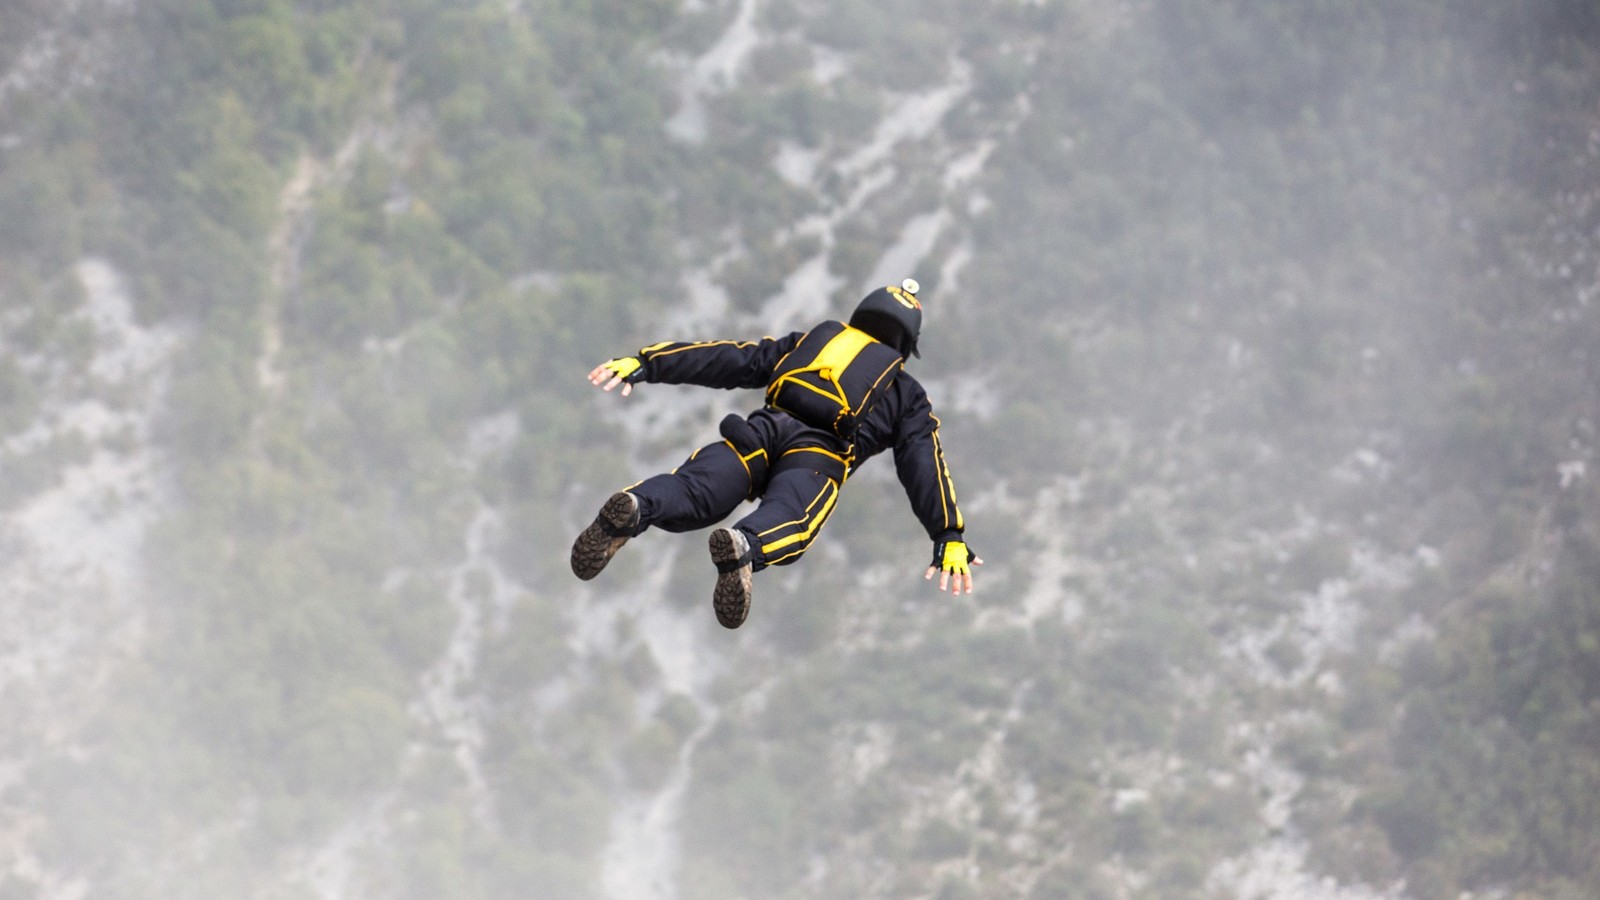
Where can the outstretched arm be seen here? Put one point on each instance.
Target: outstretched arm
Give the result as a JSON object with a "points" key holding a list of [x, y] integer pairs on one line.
{"points": [[718, 364], [920, 464]]}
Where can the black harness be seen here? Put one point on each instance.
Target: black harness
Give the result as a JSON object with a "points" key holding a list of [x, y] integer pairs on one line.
{"points": [[832, 377]]}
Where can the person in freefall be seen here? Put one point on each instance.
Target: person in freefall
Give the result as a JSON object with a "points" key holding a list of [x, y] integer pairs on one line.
{"points": [[836, 395]]}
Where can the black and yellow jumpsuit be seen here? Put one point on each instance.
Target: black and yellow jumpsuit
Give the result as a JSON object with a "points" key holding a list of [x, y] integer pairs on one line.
{"points": [[795, 469]]}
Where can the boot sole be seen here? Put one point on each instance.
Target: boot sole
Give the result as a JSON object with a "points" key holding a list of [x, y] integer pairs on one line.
{"points": [[594, 546], [731, 597]]}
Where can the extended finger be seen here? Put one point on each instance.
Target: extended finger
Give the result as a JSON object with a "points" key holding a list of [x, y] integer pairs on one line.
{"points": [[944, 579], [627, 388], [929, 574]]}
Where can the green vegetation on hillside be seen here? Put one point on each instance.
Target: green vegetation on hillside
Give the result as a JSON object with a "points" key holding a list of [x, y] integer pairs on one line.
{"points": [[1266, 303]]}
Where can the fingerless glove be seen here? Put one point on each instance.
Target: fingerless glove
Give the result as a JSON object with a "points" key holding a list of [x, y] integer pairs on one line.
{"points": [[953, 557]]}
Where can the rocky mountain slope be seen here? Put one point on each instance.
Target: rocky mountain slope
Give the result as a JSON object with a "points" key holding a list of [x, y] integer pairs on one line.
{"points": [[1263, 336]]}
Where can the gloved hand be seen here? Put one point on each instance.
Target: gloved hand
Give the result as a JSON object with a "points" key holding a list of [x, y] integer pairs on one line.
{"points": [[613, 372], [953, 558]]}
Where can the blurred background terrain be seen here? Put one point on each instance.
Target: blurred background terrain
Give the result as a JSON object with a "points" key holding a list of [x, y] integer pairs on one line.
{"points": [[1265, 336]]}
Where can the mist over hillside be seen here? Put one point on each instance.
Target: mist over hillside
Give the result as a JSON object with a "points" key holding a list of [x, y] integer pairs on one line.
{"points": [[1263, 336]]}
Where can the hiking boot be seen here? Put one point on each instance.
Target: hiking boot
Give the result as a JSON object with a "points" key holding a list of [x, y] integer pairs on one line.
{"points": [[617, 521], [730, 550]]}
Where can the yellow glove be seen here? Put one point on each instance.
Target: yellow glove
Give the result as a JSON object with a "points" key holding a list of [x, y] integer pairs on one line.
{"points": [[623, 367], [613, 372], [953, 558]]}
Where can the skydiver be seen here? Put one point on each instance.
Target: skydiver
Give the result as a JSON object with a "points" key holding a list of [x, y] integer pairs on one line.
{"points": [[836, 395]]}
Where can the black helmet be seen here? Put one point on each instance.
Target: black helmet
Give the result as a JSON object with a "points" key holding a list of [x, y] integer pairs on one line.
{"points": [[893, 315]]}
